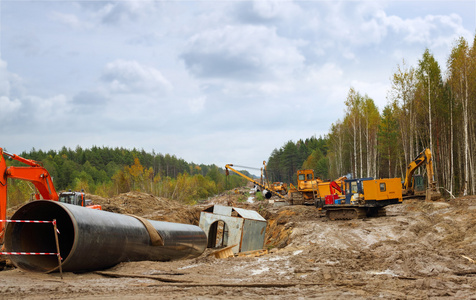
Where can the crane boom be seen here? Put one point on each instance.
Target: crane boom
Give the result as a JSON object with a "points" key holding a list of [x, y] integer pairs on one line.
{"points": [[230, 167]]}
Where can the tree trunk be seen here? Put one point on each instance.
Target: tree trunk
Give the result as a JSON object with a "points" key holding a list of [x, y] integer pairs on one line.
{"points": [[466, 140], [360, 146]]}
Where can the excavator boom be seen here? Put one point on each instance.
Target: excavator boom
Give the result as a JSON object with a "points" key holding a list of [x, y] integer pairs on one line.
{"points": [[35, 174], [423, 158], [3, 194]]}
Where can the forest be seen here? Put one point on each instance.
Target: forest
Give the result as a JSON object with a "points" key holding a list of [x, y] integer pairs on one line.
{"points": [[425, 109], [107, 172]]}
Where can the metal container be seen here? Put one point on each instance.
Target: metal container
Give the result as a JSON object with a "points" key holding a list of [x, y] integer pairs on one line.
{"points": [[92, 239], [243, 229]]}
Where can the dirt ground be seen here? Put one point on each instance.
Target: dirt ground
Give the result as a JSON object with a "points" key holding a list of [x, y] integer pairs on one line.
{"points": [[420, 250]]}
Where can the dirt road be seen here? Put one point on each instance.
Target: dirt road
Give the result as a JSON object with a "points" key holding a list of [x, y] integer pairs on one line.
{"points": [[420, 250]]}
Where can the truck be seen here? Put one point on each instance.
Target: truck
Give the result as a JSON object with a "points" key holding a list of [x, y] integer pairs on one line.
{"points": [[363, 197], [40, 178]]}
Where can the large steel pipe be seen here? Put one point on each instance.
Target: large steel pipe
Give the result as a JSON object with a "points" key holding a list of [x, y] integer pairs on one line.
{"points": [[92, 239], [267, 194]]}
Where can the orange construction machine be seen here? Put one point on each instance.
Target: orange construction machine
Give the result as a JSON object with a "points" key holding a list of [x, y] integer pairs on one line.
{"points": [[41, 179], [310, 189]]}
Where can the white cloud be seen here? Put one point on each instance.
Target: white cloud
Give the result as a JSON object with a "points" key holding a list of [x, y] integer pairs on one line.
{"points": [[8, 107], [131, 77], [4, 82], [375, 90], [113, 12], [269, 9], [265, 11], [69, 20], [244, 53], [197, 104], [49, 108], [326, 75]]}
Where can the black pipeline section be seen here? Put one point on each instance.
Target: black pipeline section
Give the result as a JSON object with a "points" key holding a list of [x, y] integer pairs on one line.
{"points": [[92, 239]]}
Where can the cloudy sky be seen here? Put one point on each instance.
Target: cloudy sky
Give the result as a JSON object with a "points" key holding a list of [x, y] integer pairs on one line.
{"points": [[212, 82]]}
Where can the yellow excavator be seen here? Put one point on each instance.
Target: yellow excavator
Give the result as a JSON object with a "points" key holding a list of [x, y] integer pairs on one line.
{"points": [[413, 186]]}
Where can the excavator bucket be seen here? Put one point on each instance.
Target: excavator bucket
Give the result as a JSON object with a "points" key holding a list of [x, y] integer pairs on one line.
{"points": [[432, 195]]}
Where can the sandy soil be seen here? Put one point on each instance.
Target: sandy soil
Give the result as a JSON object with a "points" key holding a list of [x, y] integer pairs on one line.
{"points": [[420, 250]]}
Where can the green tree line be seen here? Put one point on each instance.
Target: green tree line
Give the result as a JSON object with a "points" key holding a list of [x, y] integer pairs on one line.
{"points": [[425, 109], [107, 172], [310, 153]]}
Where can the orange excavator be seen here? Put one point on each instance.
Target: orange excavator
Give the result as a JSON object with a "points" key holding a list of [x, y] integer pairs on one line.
{"points": [[41, 179]]}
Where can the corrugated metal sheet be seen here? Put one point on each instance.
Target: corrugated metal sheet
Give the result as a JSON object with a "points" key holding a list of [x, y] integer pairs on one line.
{"points": [[253, 235], [246, 231], [249, 214], [234, 228], [222, 210]]}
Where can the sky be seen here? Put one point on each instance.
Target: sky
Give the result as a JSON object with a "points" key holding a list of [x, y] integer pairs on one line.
{"points": [[211, 82]]}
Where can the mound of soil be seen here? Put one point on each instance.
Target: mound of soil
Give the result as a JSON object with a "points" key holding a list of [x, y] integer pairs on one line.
{"points": [[150, 207]]}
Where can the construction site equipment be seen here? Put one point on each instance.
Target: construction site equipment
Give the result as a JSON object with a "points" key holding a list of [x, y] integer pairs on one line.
{"points": [[309, 189], [77, 198], [41, 179], [414, 186], [267, 192], [94, 239], [364, 197], [227, 225], [278, 187]]}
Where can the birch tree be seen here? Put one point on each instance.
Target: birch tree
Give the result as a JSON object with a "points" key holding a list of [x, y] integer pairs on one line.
{"points": [[402, 93], [458, 69]]}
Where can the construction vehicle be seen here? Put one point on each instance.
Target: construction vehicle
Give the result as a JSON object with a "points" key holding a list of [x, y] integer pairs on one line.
{"points": [[267, 192], [414, 185], [309, 189], [41, 179], [77, 198], [362, 197], [278, 187]]}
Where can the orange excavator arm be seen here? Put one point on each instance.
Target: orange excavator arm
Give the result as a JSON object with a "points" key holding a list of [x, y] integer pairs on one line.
{"points": [[3, 193], [35, 174]]}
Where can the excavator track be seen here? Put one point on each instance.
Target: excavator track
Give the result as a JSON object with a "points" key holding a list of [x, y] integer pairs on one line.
{"points": [[350, 213], [382, 212], [347, 213], [297, 198]]}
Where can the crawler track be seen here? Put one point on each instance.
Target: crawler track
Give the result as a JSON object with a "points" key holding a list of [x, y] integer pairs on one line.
{"points": [[350, 213]]}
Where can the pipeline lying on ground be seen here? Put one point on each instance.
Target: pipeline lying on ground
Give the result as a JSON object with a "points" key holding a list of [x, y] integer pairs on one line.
{"points": [[267, 194], [93, 239]]}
